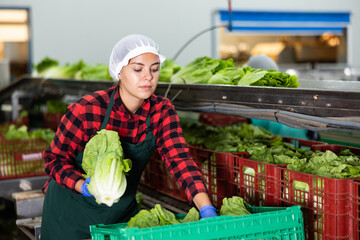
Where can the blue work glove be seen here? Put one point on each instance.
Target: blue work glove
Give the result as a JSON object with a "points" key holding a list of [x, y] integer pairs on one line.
{"points": [[208, 211], [84, 188]]}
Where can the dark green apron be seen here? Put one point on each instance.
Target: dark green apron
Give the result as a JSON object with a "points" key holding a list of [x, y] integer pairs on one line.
{"points": [[67, 215]]}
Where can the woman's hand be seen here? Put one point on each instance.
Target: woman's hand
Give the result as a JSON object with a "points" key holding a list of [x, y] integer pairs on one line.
{"points": [[84, 188], [203, 203], [208, 211]]}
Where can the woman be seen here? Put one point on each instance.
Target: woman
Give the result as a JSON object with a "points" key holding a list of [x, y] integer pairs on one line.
{"points": [[144, 122]]}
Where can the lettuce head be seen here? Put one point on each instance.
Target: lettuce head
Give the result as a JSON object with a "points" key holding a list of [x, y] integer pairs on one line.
{"points": [[104, 162]]}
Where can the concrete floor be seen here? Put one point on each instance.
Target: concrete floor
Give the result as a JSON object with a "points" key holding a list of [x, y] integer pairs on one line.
{"points": [[8, 227]]}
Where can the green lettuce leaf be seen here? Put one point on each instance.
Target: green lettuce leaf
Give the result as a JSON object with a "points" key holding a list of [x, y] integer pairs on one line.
{"points": [[270, 78], [234, 206], [168, 69], [229, 75], [15, 133], [144, 219], [200, 70], [93, 72], [165, 216], [192, 216]]}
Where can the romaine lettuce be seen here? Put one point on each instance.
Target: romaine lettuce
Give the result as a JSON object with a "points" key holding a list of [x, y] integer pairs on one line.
{"points": [[104, 162]]}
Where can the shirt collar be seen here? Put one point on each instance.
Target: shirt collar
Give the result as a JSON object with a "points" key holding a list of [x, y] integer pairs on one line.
{"points": [[141, 113]]}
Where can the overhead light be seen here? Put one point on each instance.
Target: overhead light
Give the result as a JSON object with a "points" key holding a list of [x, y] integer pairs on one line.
{"points": [[14, 25], [13, 16], [14, 33]]}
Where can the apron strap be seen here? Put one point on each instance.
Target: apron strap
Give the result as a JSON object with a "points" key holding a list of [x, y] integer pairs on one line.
{"points": [[148, 126], [108, 110]]}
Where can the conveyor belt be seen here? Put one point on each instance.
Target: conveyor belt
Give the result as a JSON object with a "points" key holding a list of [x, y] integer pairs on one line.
{"points": [[315, 105]]}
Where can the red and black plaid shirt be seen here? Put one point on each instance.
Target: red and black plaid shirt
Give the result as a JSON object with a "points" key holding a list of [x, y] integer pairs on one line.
{"points": [[83, 119]]}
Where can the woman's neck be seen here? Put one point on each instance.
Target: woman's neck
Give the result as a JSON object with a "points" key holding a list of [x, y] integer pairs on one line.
{"points": [[131, 103]]}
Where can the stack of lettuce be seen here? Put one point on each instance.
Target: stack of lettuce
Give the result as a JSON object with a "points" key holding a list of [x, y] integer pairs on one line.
{"points": [[205, 70], [50, 68]]}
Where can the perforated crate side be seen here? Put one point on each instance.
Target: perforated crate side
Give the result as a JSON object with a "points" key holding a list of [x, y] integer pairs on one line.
{"points": [[22, 158], [354, 224], [325, 203], [158, 177], [153, 172], [254, 181], [215, 170]]}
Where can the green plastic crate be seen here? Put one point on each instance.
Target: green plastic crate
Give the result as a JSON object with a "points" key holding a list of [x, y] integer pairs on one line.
{"points": [[265, 223]]}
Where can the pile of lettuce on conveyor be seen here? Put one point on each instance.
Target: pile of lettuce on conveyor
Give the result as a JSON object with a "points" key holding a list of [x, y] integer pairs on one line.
{"points": [[270, 78], [205, 70], [50, 68], [200, 70], [168, 68]]}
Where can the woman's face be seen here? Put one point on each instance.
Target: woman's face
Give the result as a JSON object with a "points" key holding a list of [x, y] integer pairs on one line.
{"points": [[139, 78]]}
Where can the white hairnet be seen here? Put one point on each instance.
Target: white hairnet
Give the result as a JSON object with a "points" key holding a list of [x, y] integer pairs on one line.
{"points": [[128, 48], [262, 61]]}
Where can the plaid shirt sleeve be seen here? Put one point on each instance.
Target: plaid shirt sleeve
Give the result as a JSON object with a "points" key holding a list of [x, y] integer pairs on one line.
{"points": [[175, 153], [60, 156]]}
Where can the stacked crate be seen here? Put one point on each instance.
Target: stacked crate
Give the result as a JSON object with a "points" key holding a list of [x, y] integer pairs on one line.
{"points": [[330, 207], [22, 158]]}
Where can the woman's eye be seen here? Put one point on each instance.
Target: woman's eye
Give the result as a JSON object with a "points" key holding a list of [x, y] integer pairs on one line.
{"points": [[152, 70]]}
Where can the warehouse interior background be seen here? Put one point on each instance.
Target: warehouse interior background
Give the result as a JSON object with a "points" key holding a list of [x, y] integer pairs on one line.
{"points": [[69, 31]]}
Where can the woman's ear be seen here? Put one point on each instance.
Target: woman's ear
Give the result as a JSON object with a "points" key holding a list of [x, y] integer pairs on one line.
{"points": [[119, 76]]}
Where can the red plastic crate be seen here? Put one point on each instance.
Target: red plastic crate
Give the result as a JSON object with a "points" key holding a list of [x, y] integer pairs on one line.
{"points": [[325, 203], [355, 210], [337, 148], [333, 199], [4, 127], [354, 198], [253, 180], [214, 167], [211, 164], [52, 120], [157, 176], [22, 158]]}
